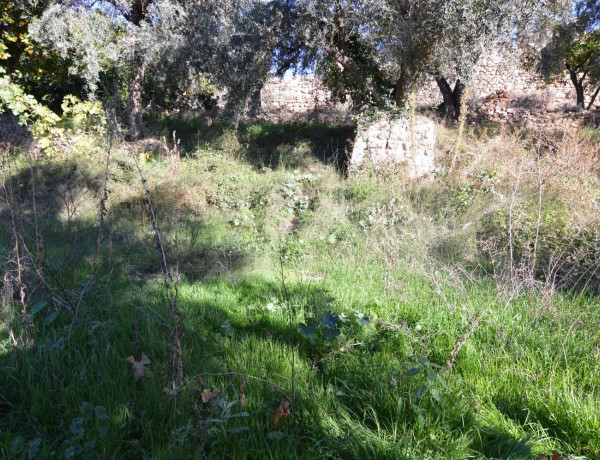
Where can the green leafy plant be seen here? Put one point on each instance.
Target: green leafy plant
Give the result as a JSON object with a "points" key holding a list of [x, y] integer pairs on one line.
{"points": [[222, 426], [430, 382], [86, 431], [331, 326], [40, 119]]}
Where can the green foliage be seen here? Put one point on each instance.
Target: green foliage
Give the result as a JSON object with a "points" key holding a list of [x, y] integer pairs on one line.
{"points": [[38, 70], [332, 326], [42, 121], [573, 50], [523, 383], [84, 116]]}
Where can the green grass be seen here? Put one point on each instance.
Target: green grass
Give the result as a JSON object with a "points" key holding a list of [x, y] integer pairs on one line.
{"points": [[259, 251]]}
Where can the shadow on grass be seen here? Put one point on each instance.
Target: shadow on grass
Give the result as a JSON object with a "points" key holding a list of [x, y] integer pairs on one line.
{"points": [[241, 327], [267, 144]]}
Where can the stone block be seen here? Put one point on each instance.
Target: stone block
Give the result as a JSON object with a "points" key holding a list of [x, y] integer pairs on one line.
{"points": [[412, 149]]}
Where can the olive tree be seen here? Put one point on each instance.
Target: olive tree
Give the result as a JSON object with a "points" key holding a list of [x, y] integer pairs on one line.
{"points": [[377, 51], [227, 43], [574, 50]]}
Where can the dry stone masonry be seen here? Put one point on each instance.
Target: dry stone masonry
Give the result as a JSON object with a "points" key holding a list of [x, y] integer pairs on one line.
{"points": [[389, 143], [301, 99], [501, 91]]}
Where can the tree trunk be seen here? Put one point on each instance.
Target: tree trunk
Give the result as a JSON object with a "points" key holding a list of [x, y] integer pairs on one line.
{"points": [[350, 66], [458, 93], [400, 92], [137, 129], [255, 103], [446, 108], [579, 90], [452, 104]]}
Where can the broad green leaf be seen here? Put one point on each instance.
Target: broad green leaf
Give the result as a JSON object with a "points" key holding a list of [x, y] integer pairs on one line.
{"points": [[307, 329], [431, 376], [329, 320], [436, 395], [38, 306], [50, 318], [331, 333], [76, 426], [421, 391], [413, 371], [362, 320]]}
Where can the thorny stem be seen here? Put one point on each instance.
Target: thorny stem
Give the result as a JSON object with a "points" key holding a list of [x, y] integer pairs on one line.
{"points": [[513, 201], [11, 200], [39, 245], [102, 212], [539, 216], [292, 343], [171, 292]]}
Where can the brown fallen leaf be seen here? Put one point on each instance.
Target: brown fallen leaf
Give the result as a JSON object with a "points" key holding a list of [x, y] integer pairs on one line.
{"points": [[139, 367], [281, 412], [208, 395], [556, 456]]}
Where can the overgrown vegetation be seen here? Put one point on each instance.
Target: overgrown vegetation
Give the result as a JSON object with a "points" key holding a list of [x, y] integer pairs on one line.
{"points": [[319, 316]]}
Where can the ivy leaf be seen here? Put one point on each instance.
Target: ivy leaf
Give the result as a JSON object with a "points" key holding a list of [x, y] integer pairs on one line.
{"points": [[362, 320], [331, 333], [329, 320], [307, 329]]}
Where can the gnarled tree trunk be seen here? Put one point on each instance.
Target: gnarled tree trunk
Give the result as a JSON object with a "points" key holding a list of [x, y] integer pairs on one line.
{"points": [[579, 89], [452, 104], [137, 129]]}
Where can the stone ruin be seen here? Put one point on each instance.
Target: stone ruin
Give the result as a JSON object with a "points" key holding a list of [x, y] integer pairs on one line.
{"points": [[301, 99], [393, 144], [502, 91]]}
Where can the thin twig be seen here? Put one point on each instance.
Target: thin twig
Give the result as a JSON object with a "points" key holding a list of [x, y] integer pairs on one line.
{"points": [[292, 343], [102, 211], [241, 374]]}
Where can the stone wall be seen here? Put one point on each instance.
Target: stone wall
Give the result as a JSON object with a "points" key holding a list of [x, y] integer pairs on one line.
{"points": [[301, 99], [501, 91], [392, 143]]}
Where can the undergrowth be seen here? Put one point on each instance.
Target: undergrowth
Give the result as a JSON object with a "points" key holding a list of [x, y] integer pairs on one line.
{"points": [[321, 316]]}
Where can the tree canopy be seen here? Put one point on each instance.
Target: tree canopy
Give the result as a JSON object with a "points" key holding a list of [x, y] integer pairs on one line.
{"points": [[574, 49], [179, 53]]}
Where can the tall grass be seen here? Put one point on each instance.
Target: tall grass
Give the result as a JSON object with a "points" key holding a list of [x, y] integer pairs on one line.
{"points": [[425, 265]]}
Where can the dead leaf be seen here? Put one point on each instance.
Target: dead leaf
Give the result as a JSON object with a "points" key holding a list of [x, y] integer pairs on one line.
{"points": [[281, 412], [208, 395], [556, 455], [139, 367]]}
